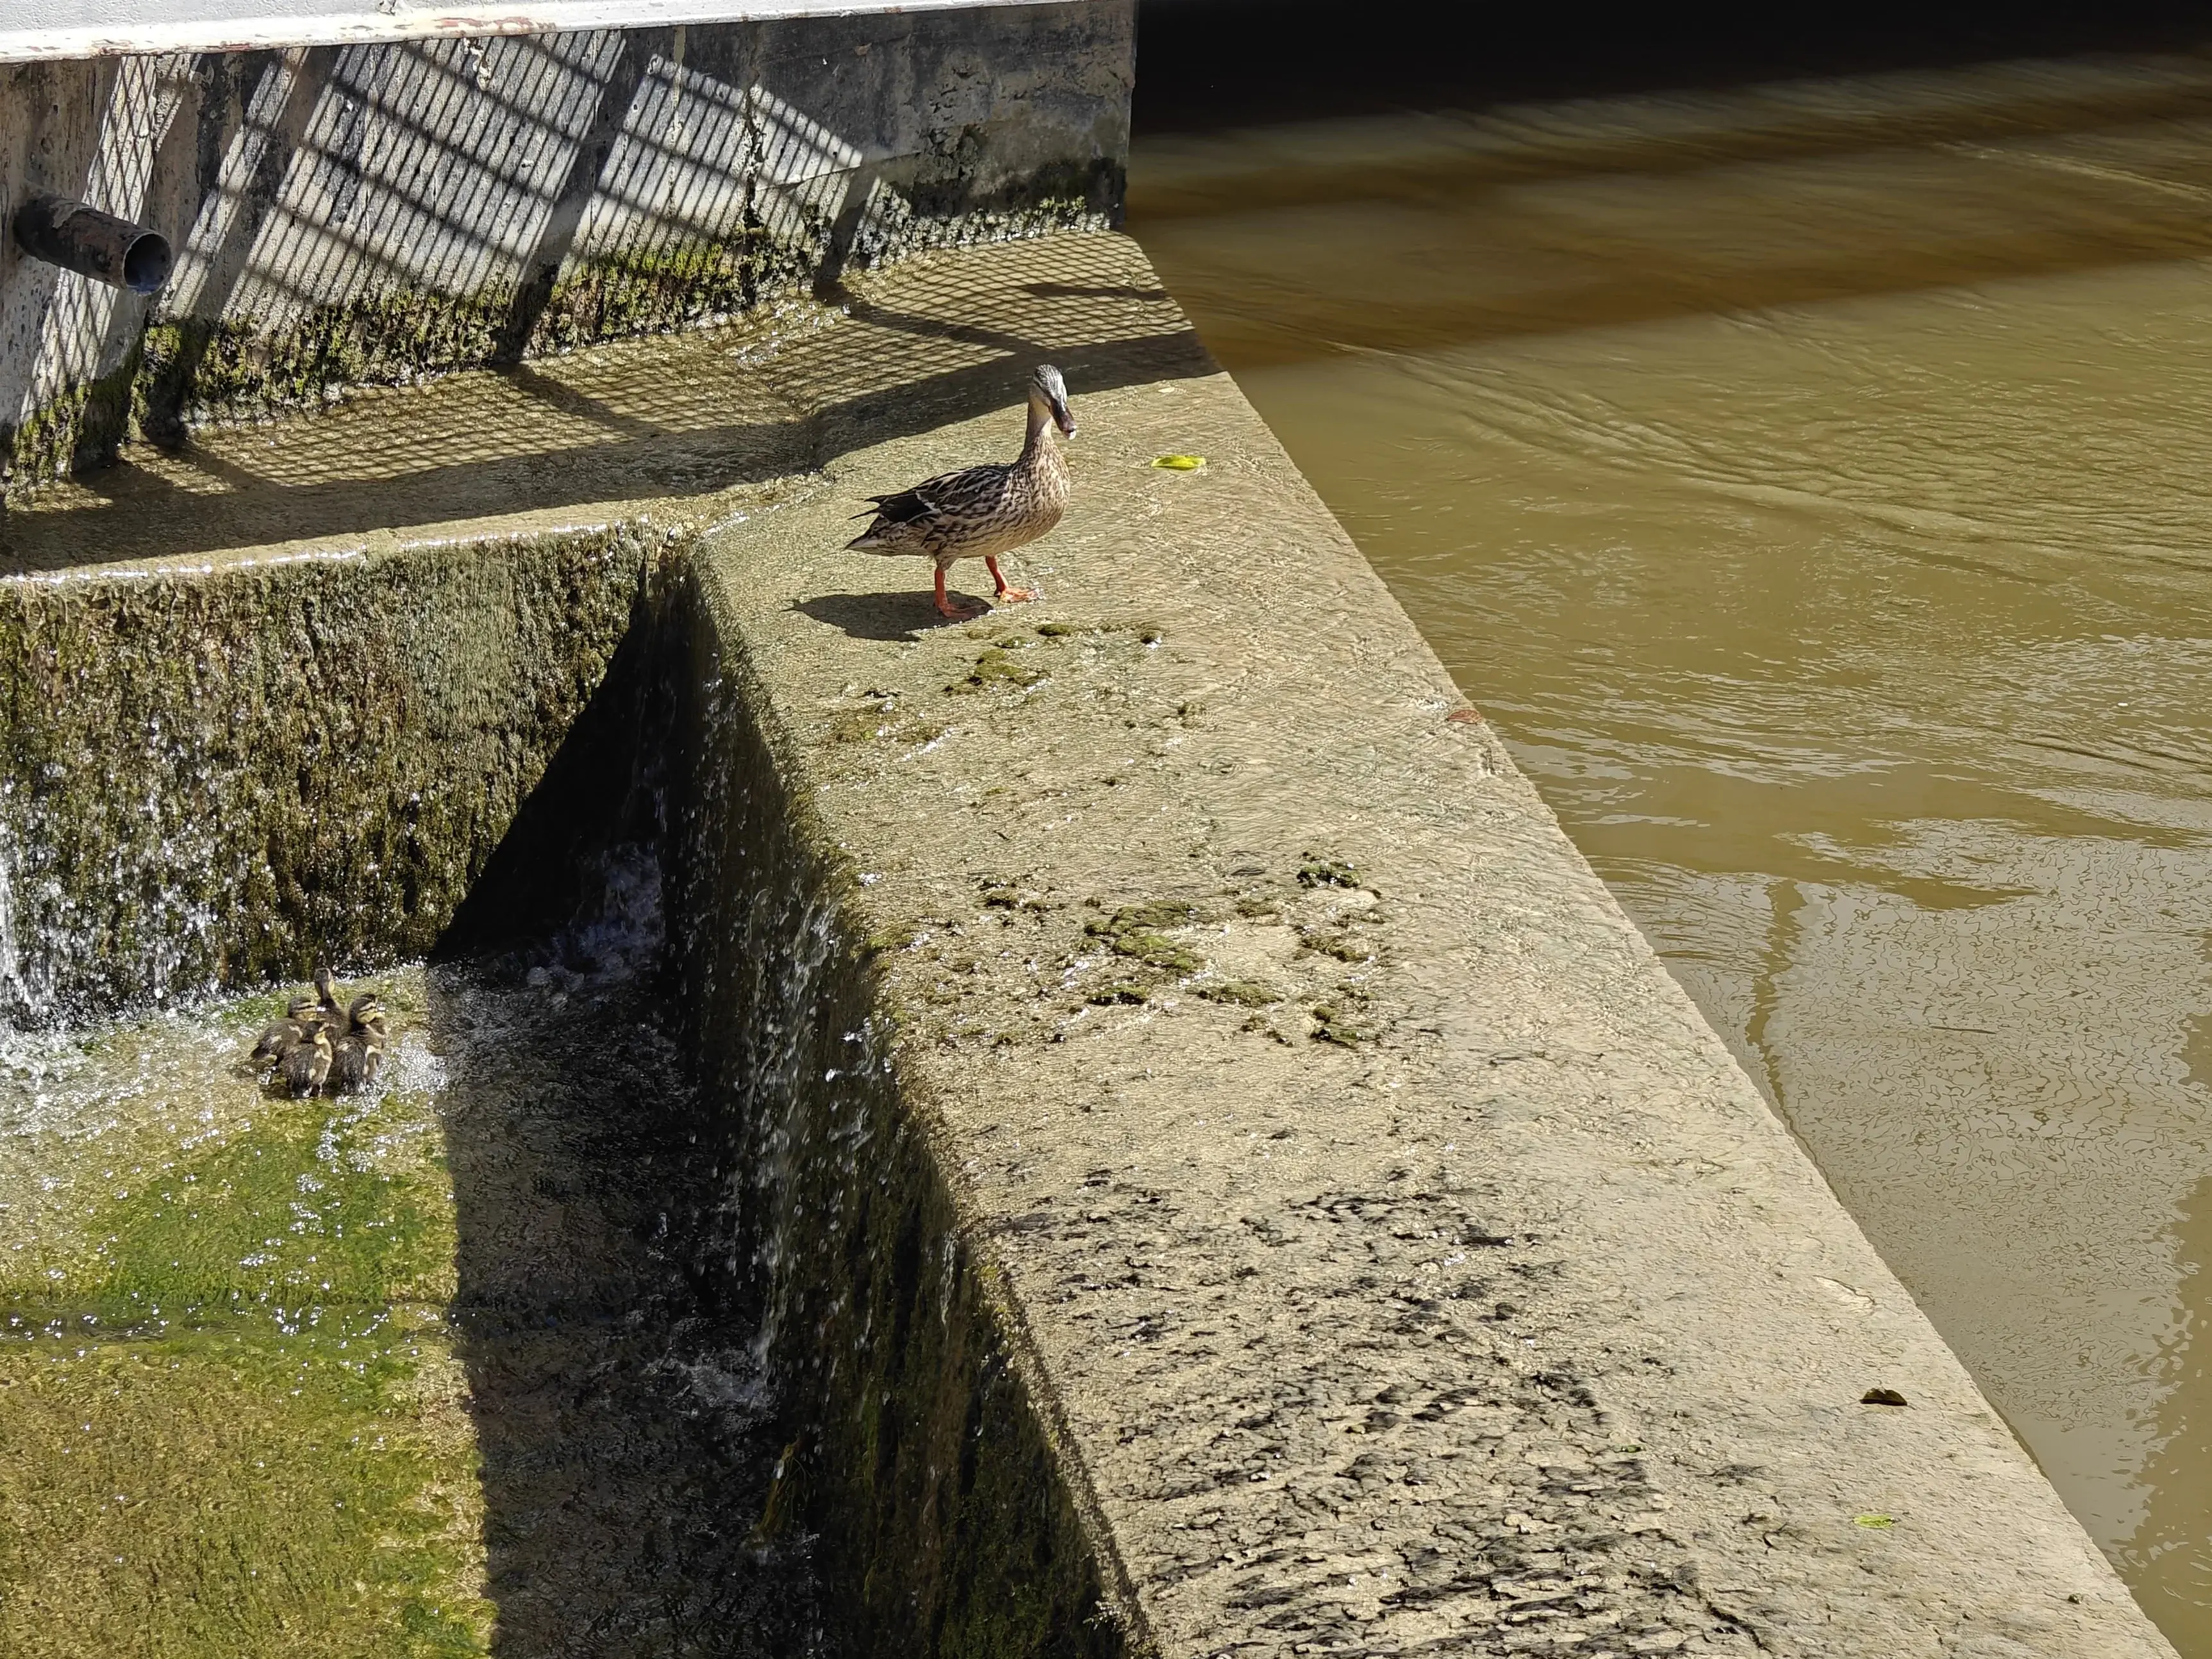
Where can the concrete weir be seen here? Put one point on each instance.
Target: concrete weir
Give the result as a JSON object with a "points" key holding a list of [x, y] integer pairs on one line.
{"points": [[1215, 1170], [1210, 1168]]}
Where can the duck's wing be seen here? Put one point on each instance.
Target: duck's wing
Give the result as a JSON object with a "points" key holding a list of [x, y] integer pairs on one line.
{"points": [[947, 495]]}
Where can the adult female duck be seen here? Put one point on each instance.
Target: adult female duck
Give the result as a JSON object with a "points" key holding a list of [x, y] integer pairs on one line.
{"points": [[983, 511]]}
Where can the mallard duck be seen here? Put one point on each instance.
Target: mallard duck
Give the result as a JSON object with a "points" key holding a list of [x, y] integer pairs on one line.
{"points": [[985, 511], [306, 1063], [356, 1056], [281, 1034]]}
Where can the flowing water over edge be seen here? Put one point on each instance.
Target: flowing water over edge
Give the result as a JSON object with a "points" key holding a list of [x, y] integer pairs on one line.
{"points": [[1808, 481]]}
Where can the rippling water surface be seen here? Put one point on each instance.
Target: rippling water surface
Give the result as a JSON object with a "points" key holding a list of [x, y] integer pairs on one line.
{"points": [[1814, 482]]}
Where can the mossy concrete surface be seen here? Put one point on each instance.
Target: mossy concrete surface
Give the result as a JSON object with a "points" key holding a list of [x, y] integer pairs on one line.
{"points": [[417, 1373], [1207, 1166], [232, 1411], [216, 775]]}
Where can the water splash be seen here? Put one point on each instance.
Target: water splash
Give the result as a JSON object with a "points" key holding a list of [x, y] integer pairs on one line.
{"points": [[13, 993]]}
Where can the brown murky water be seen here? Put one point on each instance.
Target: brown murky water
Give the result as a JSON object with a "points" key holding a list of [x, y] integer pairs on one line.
{"points": [[1814, 482]]}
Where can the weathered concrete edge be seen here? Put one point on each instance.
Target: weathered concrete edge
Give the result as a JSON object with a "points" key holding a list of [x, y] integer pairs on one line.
{"points": [[324, 745], [943, 1482], [819, 897], [1771, 1593], [931, 1468]]}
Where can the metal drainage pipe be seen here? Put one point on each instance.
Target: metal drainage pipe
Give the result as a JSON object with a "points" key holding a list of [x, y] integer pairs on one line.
{"points": [[82, 239]]}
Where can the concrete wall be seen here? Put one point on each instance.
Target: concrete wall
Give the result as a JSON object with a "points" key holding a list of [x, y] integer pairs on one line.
{"points": [[371, 214], [222, 781]]}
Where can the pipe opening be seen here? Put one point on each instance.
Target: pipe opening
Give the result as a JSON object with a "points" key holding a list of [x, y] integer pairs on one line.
{"points": [[79, 237], [147, 262]]}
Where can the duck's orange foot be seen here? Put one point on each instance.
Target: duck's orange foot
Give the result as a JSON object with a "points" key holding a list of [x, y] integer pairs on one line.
{"points": [[954, 610], [1006, 596]]}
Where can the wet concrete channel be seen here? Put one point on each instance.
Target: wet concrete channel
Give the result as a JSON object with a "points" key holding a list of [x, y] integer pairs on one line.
{"points": [[381, 1373], [1187, 1152]]}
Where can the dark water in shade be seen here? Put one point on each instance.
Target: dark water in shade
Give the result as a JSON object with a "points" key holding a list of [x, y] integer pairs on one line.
{"points": [[1813, 480]]}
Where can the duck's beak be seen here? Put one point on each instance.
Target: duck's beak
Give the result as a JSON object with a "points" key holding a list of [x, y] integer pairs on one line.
{"points": [[1063, 416]]}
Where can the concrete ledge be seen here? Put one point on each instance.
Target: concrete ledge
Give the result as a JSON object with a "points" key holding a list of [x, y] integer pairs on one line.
{"points": [[219, 774], [46, 30], [1451, 1291]]}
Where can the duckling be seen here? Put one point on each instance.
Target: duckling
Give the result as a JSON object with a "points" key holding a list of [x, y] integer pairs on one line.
{"points": [[308, 1062], [983, 511], [332, 1011], [357, 1056], [281, 1034]]}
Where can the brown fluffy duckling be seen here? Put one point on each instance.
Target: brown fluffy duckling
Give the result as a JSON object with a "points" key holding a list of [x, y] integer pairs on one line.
{"points": [[357, 1055], [306, 1063], [332, 1011], [281, 1034]]}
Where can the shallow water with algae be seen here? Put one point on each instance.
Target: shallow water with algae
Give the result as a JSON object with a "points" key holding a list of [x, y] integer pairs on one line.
{"points": [[423, 1370]]}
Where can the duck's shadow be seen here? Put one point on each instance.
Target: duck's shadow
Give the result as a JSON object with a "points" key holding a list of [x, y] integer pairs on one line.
{"points": [[903, 617]]}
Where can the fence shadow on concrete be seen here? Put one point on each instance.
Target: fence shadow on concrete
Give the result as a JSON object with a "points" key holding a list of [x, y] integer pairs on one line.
{"points": [[364, 214], [939, 340]]}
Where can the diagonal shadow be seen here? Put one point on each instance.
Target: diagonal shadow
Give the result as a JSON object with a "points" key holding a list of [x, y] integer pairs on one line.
{"points": [[144, 516], [628, 1437], [616, 94]]}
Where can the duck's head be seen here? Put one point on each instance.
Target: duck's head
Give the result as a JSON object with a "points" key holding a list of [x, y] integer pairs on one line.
{"points": [[1048, 389], [365, 1008], [300, 1009]]}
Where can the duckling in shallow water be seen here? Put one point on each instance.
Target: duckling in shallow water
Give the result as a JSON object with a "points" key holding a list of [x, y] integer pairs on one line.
{"points": [[332, 1011], [356, 1056], [308, 1062], [983, 511], [281, 1034]]}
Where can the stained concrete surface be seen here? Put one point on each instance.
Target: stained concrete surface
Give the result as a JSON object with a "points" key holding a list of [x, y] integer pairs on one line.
{"points": [[1407, 1265], [370, 214]]}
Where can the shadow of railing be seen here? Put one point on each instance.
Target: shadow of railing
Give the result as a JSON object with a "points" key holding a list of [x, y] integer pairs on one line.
{"points": [[364, 214], [648, 421]]}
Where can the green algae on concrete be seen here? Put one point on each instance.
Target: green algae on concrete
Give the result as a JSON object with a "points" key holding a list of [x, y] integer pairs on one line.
{"points": [[421, 1372], [231, 1413], [1429, 1306], [324, 746]]}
